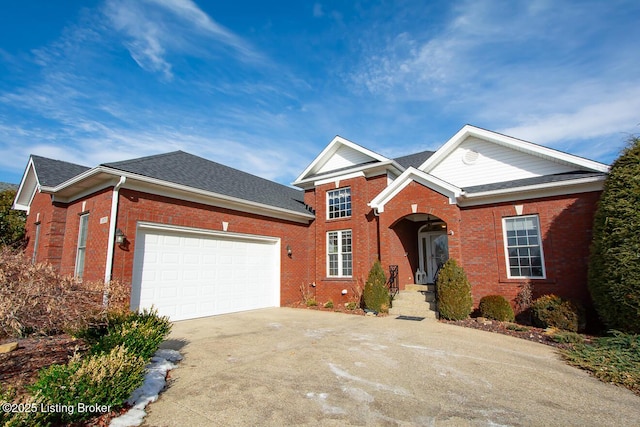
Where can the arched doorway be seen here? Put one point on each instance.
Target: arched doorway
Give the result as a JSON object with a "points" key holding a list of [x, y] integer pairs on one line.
{"points": [[433, 250]]}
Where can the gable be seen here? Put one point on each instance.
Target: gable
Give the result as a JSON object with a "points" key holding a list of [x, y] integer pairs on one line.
{"points": [[340, 156], [344, 157], [475, 156], [479, 162]]}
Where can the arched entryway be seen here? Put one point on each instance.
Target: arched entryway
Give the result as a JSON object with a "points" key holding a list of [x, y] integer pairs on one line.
{"points": [[433, 250]]}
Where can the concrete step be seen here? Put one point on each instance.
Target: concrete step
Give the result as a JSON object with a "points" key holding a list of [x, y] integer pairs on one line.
{"points": [[420, 288], [414, 303]]}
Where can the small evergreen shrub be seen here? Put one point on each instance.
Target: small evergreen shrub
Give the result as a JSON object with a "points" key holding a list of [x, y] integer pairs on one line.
{"points": [[376, 294], [454, 292], [351, 305], [553, 311], [311, 302], [101, 379], [328, 304], [140, 333], [496, 307]]}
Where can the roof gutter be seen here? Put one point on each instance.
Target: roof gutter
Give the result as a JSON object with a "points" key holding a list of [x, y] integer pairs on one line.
{"points": [[112, 233]]}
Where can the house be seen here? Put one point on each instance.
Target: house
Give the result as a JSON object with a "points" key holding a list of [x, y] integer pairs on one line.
{"points": [[196, 238]]}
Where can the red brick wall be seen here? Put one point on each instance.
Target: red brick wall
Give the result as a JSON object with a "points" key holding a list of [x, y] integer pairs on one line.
{"points": [[137, 206], [566, 225], [52, 228], [363, 225], [395, 238]]}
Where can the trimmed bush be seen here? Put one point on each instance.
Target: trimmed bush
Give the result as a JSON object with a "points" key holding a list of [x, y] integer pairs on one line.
{"points": [[376, 294], [454, 292], [140, 333], [614, 270], [553, 311], [102, 379], [496, 307]]}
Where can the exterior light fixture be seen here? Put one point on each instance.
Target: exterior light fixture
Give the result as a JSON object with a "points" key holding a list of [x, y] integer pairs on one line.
{"points": [[120, 237], [289, 251]]}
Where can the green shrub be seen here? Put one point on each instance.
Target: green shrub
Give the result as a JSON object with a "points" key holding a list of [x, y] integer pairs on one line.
{"points": [[140, 333], [454, 292], [328, 304], [496, 307], [567, 337], [614, 359], [311, 302], [351, 305], [101, 379], [376, 294], [553, 311], [614, 270]]}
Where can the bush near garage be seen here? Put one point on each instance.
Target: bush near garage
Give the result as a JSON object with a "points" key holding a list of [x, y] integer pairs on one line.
{"points": [[35, 299], [454, 292], [496, 307]]}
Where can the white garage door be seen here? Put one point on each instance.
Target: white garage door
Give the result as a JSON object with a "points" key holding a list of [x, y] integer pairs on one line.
{"points": [[188, 273]]}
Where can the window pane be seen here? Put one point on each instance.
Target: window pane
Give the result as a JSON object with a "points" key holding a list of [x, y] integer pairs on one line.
{"points": [[523, 247], [339, 203], [346, 265]]}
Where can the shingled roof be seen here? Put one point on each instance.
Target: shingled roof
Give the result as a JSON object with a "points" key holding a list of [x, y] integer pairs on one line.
{"points": [[54, 172], [414, 160], [186, 169], [544, 179]]}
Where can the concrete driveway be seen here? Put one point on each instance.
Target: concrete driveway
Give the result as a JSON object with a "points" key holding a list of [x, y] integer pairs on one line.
{"points": [[302, 367]]}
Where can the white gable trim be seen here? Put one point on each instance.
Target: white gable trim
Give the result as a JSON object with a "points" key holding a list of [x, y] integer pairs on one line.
{"points": [[413, 174], [329, 151], [29, 186], [510, 142]]}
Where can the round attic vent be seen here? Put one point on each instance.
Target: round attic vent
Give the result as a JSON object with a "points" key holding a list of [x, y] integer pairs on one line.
{"points": [[470, 157]]}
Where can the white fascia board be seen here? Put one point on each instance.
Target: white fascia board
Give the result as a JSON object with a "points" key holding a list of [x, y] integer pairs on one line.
{"points": [[413, 174], [366, 170], [339, 178], [331, 149], [510, 142], [550, 189]]}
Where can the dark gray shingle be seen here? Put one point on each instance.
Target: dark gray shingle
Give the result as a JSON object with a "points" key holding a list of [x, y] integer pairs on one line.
{"points": [[186, 169], [532, 181], [414, 160], [53, 172]]}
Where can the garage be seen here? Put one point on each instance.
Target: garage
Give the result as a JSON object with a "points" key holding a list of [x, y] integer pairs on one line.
{"points": [[188, 273]]}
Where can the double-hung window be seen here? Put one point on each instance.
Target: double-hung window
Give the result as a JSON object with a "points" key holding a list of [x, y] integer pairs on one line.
{"points": [[339, 203], [82, 245], [339, 256], [523, 247]]}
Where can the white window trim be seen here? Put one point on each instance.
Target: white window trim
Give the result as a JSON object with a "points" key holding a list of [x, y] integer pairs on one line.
{"points": [[329, 198], [36, 242], [506, 248], [339, 253], [79, 269]]}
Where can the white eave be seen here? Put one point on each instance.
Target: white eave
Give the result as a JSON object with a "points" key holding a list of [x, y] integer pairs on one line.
{"points": [[513, 143], [102, 177], [29, 185], [367, 170], [574, 186], [408, 176]]}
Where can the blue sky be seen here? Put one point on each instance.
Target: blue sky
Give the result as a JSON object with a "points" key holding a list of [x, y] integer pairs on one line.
{"points": [[264, 86]]}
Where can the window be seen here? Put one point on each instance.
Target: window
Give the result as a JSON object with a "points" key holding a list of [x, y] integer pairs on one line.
{"points": [[523, 247], [36, 240], [339, 257], [82, 245], [339, 203]]}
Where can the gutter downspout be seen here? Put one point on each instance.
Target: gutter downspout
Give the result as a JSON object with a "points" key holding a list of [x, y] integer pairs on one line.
{"points": [[112, 234]]}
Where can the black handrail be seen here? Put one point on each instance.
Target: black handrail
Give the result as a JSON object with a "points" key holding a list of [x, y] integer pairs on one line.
{"points": [[393, 282]]}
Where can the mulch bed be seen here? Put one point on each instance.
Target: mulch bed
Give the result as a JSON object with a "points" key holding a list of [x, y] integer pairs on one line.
{"points": [[528, 333]]}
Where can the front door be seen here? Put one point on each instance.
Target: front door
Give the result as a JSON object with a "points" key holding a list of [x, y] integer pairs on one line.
{"points": [[434, 252]]}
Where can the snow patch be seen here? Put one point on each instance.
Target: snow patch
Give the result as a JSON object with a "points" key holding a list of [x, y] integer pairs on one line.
{"points": [[321, 398], [154, 381], [378, 386]]}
